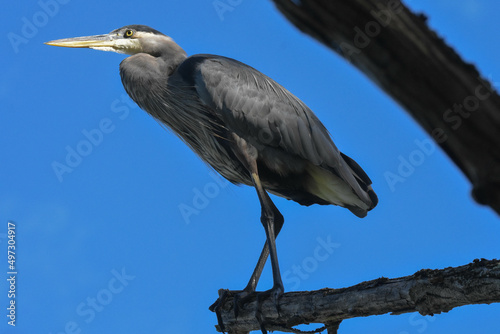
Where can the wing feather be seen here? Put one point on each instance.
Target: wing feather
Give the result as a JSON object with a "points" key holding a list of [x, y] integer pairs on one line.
{"points": [[249, 102], [264, 113]]}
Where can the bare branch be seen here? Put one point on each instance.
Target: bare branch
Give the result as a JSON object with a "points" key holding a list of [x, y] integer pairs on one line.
{"points": [[411, 63], [427, 292]]}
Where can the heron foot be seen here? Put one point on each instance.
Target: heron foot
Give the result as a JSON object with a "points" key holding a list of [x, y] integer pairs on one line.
{"points": [[217, 306], [241, 297], [275, 292]]}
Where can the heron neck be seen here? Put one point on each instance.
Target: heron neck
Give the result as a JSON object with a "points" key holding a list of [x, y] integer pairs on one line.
{"points": [[169, 53]]}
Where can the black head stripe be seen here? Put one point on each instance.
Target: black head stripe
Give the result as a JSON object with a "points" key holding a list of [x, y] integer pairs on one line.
{"points": [[140, 28]]}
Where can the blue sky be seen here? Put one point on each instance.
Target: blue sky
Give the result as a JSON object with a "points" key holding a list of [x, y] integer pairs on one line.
{"points": [[104, 247]]}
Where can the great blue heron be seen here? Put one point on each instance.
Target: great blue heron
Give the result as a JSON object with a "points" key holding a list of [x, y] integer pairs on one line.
{"points": [[242, 123]]}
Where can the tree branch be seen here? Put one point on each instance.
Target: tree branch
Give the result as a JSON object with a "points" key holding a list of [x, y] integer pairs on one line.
{"points": [[411, 63], [427, 292]]}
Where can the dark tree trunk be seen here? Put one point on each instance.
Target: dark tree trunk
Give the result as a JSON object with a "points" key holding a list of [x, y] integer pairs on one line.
{"points": [[396, 49]]}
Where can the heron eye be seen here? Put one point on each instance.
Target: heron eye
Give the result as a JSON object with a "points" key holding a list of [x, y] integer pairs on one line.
{"points": [[128, 33]]}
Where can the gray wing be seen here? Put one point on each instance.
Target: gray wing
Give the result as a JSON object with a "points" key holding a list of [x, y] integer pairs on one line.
{"points": [[264, 113]]}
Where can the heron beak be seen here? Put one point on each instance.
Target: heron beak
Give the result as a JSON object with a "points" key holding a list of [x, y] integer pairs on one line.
{"points": [[97, 41], [108, 42]]}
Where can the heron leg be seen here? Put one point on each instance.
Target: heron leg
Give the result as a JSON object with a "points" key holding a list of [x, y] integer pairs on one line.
{"points": [[272, 220], [242, 296], [269, 216]]}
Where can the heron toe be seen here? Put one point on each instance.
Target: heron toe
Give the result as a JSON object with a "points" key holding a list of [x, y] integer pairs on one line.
{"points": [[275, 292], [217, 306], [241, 297]]}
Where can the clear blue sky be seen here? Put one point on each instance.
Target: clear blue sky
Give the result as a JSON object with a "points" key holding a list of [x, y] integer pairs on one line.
{"points": [[105, 249]]}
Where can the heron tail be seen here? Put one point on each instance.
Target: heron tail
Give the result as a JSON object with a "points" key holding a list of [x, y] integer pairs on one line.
{"points": [[331, 187]]}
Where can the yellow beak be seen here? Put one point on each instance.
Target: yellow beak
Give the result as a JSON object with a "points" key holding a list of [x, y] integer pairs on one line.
{"points": [[93, 42]]}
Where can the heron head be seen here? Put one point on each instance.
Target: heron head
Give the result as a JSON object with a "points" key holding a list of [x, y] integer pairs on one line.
{"points": [[131, 39]]}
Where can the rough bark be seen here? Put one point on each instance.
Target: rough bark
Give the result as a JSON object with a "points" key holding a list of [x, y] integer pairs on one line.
{"points": [[427, 292], [411, 63]]}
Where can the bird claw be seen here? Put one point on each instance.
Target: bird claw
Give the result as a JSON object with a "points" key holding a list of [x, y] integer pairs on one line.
{"points": [[275, 292], [217, 306], [241, 297]]}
